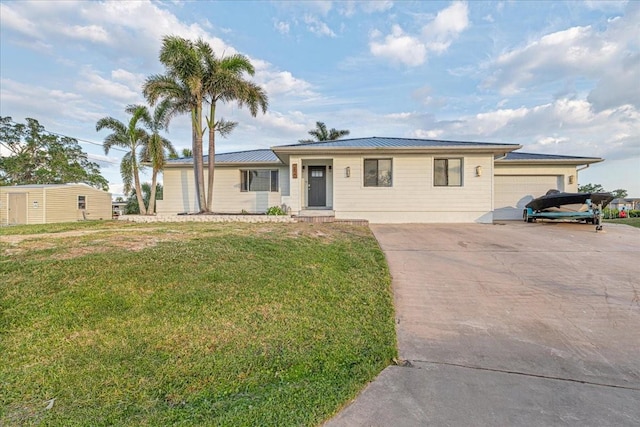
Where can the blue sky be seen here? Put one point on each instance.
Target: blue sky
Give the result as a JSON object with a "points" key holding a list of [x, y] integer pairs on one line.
{"points": [[556, 77]]}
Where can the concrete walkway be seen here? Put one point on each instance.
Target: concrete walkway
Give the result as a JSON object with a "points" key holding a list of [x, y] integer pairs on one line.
{"points": [[513, 324]]}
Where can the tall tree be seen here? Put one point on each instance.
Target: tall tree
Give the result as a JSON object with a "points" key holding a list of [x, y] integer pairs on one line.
{"points": [[131, 137], [156, 148], [36, 156], [619, 193], [591, 188], [194, 77], [224, 82], [183, 86], [320, 133]]}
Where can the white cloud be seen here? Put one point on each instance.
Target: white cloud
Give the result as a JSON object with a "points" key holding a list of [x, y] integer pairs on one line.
{"points": [[277, 83], [94, 84], [282, 27], [609, 59], [488, 18], [318, 27], [349, 8], [38, 102], [435, 36], [399, 47], [563, 126], [445, 28], [428, 134], [10, 18], [93, 33]]}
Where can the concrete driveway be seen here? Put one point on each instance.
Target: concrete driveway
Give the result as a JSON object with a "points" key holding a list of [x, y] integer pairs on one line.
{"points": [[509, 324]]}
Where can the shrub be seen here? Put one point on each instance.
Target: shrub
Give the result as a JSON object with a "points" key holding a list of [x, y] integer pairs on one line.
{"points": [[610, 213], [275, 210]]}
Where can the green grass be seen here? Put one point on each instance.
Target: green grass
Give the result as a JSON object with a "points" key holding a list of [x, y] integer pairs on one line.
{"points": [[635, 222], [193, 324]]}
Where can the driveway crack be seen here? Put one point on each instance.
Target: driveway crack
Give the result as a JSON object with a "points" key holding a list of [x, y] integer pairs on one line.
{"points": [[408, 364]]}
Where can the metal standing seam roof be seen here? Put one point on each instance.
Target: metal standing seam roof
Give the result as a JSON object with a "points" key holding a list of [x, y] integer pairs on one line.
{"points": [[250, 156], [515, 156], [381, 142], [268, 156]]}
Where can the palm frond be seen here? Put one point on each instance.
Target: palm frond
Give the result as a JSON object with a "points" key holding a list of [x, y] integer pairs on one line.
{"points": [[126, 172], [224, 127]]}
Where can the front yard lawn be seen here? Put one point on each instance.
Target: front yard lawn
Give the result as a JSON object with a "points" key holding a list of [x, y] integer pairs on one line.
{"points": [[635, 222], [194, 324]]}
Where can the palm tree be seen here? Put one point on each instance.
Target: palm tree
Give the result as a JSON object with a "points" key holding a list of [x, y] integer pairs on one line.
{"points": [[131, 137], [183, 85], [156, 147], [224, 81], [186, 152], [320, 134]]}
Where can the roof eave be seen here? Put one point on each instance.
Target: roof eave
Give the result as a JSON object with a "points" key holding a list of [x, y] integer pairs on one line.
{"points": [[224, 164], [287, 151], [537, 162]]}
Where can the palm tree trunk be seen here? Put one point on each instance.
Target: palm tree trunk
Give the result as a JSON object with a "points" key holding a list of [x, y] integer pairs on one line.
{"points": [[212, 154], [152, 198], [199, 162], [136, 180], [194, 150]]}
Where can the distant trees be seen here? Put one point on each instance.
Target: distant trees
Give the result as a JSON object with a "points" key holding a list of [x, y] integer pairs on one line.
{"points": [[195, 78], [133, 207], [320, 133], [619, 193], [40, 157], [186, 152]]}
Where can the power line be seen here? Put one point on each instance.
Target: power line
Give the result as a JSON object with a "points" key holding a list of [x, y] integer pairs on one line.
{"points": [[77, 139]]}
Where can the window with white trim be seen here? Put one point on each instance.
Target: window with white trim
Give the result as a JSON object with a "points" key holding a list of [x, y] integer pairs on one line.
{"points": [[447, 172], [82, 202], [259, 180], [377, 173]]}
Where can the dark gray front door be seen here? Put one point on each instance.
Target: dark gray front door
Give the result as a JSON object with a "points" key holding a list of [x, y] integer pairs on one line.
{"points": [[317, 185]]}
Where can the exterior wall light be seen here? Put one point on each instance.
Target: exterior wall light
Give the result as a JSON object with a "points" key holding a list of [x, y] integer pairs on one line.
{"points": [[347, 171], [571, 179], [478, 170]]}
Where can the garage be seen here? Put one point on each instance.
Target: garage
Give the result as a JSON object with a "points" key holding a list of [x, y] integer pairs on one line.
{"points": [[513, 192]]}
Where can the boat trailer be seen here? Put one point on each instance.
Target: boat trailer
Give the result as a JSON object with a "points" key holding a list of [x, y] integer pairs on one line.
{"points": [[593, 214]]}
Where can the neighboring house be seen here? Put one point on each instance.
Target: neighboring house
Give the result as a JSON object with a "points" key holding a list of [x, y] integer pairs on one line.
{"points": [[118, 208], [49, 203], [383, 180], [626, 203]]}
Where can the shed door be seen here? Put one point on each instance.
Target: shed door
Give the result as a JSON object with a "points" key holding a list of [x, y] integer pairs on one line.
{"points": [[17, 208], [513, 192]]}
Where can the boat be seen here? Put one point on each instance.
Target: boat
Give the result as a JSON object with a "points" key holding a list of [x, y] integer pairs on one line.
{"points": [[572, 206], [555, 199]]}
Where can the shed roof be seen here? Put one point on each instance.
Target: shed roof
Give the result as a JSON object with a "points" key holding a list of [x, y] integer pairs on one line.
{"points": [[31, 186]]}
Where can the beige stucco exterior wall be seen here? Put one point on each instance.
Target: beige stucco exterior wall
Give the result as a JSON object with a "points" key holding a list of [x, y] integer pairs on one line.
{"points": [[179, 191], [412, 197]]}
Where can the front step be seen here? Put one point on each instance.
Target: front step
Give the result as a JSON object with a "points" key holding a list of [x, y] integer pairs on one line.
{"points": [[317, 212], [331, 219]]}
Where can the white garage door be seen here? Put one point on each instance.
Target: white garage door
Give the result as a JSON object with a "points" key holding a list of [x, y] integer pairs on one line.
{"points": [[513, 192]]}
